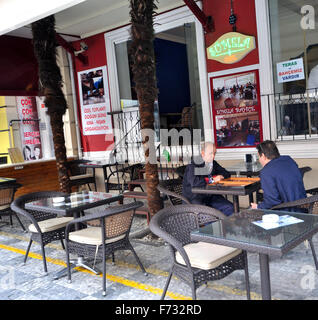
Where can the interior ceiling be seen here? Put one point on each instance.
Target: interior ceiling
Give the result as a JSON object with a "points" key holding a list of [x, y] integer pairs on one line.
{"points": [[94, 16]]}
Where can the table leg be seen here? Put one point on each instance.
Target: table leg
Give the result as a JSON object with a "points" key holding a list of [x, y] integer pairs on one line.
{"points": [[236, 204], [265, 278], [105, 180], [76, 263]]}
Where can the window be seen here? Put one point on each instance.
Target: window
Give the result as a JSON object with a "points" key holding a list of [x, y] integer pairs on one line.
{"points": [[295, 61], [25, 130]]}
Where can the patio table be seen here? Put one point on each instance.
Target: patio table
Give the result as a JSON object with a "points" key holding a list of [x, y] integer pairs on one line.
{"points": [[73, 205], [110, 165], [232, 186], [238, 231]]}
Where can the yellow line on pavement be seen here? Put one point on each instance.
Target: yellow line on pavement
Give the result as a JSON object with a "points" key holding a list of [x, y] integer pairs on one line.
{"points": [[126, 282], [123, 264]]}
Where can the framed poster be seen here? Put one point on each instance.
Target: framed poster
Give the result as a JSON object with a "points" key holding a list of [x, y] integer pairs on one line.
{"points": [[236, 110], [95, 103]]}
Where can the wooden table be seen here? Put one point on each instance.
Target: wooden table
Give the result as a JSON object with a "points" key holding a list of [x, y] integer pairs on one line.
{"points": [[235, 186]]}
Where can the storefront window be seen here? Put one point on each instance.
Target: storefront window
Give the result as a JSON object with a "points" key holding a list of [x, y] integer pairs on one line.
{"points": [[25, 132], [295, 66]]}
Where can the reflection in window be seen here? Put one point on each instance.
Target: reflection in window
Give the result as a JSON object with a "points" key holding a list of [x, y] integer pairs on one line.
{"points": [[296, 98]]}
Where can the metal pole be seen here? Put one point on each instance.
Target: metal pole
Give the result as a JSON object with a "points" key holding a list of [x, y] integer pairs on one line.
{"points": [[307, 91]]}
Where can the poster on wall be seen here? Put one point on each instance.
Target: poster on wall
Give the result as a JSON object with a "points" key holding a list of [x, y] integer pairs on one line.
{"points": [[95, 103], [236, 110], [29, 128]]}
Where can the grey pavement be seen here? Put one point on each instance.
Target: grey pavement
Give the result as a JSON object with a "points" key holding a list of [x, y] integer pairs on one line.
{"points": [[293, 277]]}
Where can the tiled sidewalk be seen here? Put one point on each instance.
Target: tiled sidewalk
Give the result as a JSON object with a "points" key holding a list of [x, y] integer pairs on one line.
{"points": [[292, 278]]}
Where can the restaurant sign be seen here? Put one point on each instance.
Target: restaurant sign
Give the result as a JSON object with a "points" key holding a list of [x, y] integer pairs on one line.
{"points": [[290, 70], [231, 47]]}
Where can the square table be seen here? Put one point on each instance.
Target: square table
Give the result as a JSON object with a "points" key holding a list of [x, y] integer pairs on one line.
{"points": [[108, 164], [238, 231], [232, 186], [73, 205]]}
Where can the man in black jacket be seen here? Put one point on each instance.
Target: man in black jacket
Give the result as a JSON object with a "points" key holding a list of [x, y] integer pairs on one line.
{"points": [[202, 170]]}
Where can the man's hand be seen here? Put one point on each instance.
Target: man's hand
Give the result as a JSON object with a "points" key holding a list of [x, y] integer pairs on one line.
{"points": [[254, 205], [218, 178]]}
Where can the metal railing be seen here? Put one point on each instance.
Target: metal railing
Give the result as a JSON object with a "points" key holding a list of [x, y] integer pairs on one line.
{"points": [[293, 116]]}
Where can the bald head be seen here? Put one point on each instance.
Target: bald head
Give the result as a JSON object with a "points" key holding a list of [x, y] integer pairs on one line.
{"points": [[208, 151]]}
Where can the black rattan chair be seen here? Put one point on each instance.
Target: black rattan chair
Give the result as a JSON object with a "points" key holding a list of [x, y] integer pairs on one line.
{"points": [[173, 190], [180, 171], [174, 225], [7, 193], [45, 227], [78, 175], [309, 205], [303, 170], [111, 234]]}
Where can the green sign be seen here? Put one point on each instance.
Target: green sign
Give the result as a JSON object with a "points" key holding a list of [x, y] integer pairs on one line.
{"points": [[231, 47]]}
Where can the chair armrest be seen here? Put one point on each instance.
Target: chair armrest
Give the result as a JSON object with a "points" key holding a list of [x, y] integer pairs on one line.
{"points": [[297, 203], [312, 191], [173, 194]]}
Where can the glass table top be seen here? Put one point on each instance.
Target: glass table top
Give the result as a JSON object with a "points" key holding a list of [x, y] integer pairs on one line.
{"points": [[239, 227], [74, 200], [245, 167]]}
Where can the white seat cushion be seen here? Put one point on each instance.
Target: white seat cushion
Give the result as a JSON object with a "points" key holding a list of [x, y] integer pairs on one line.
{"points": [[91, 235], [5, 206], [51, 224], [81, 176], [207, 256]]}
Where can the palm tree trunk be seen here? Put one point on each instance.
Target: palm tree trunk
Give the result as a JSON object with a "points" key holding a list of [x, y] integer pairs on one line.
{"points": [[50, 78], [143, 68]]}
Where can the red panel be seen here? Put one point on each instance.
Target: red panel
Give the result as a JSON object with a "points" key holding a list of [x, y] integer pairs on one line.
{"points": [[96, 54], [18, 67], [246, 24]]}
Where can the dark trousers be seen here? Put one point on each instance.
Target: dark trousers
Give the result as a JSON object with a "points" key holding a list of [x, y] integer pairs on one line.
{"points": [[217, 202]]}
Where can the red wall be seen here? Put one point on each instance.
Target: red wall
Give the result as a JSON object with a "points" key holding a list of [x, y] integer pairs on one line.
{"points": [[96, 54], [246, 24], [219, 10]]}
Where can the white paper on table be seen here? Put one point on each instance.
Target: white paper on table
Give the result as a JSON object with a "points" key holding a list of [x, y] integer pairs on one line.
{"points": [[283, 221]]}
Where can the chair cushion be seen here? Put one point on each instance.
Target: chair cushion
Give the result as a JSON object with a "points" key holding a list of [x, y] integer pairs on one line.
{"points": [[82, 176], [51, 224], [91, 235], [5, 206], [207, 256]]}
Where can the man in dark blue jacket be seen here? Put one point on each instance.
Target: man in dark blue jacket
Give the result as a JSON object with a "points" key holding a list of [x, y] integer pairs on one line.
{"points": [[201, 169], [281, 179]]}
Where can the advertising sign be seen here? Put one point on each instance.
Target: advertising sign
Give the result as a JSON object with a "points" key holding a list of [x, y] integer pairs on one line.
{"points": [[290, 70], [95, 103], [231, 47], [236, 110], [29, 128]]}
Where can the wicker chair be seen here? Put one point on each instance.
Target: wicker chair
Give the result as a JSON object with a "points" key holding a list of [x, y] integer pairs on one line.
{"points": [[78, 175], [7, 193], [111, 235], [309, 205], [44, 227], [173, 190], [180, 171], [195, 263]]}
